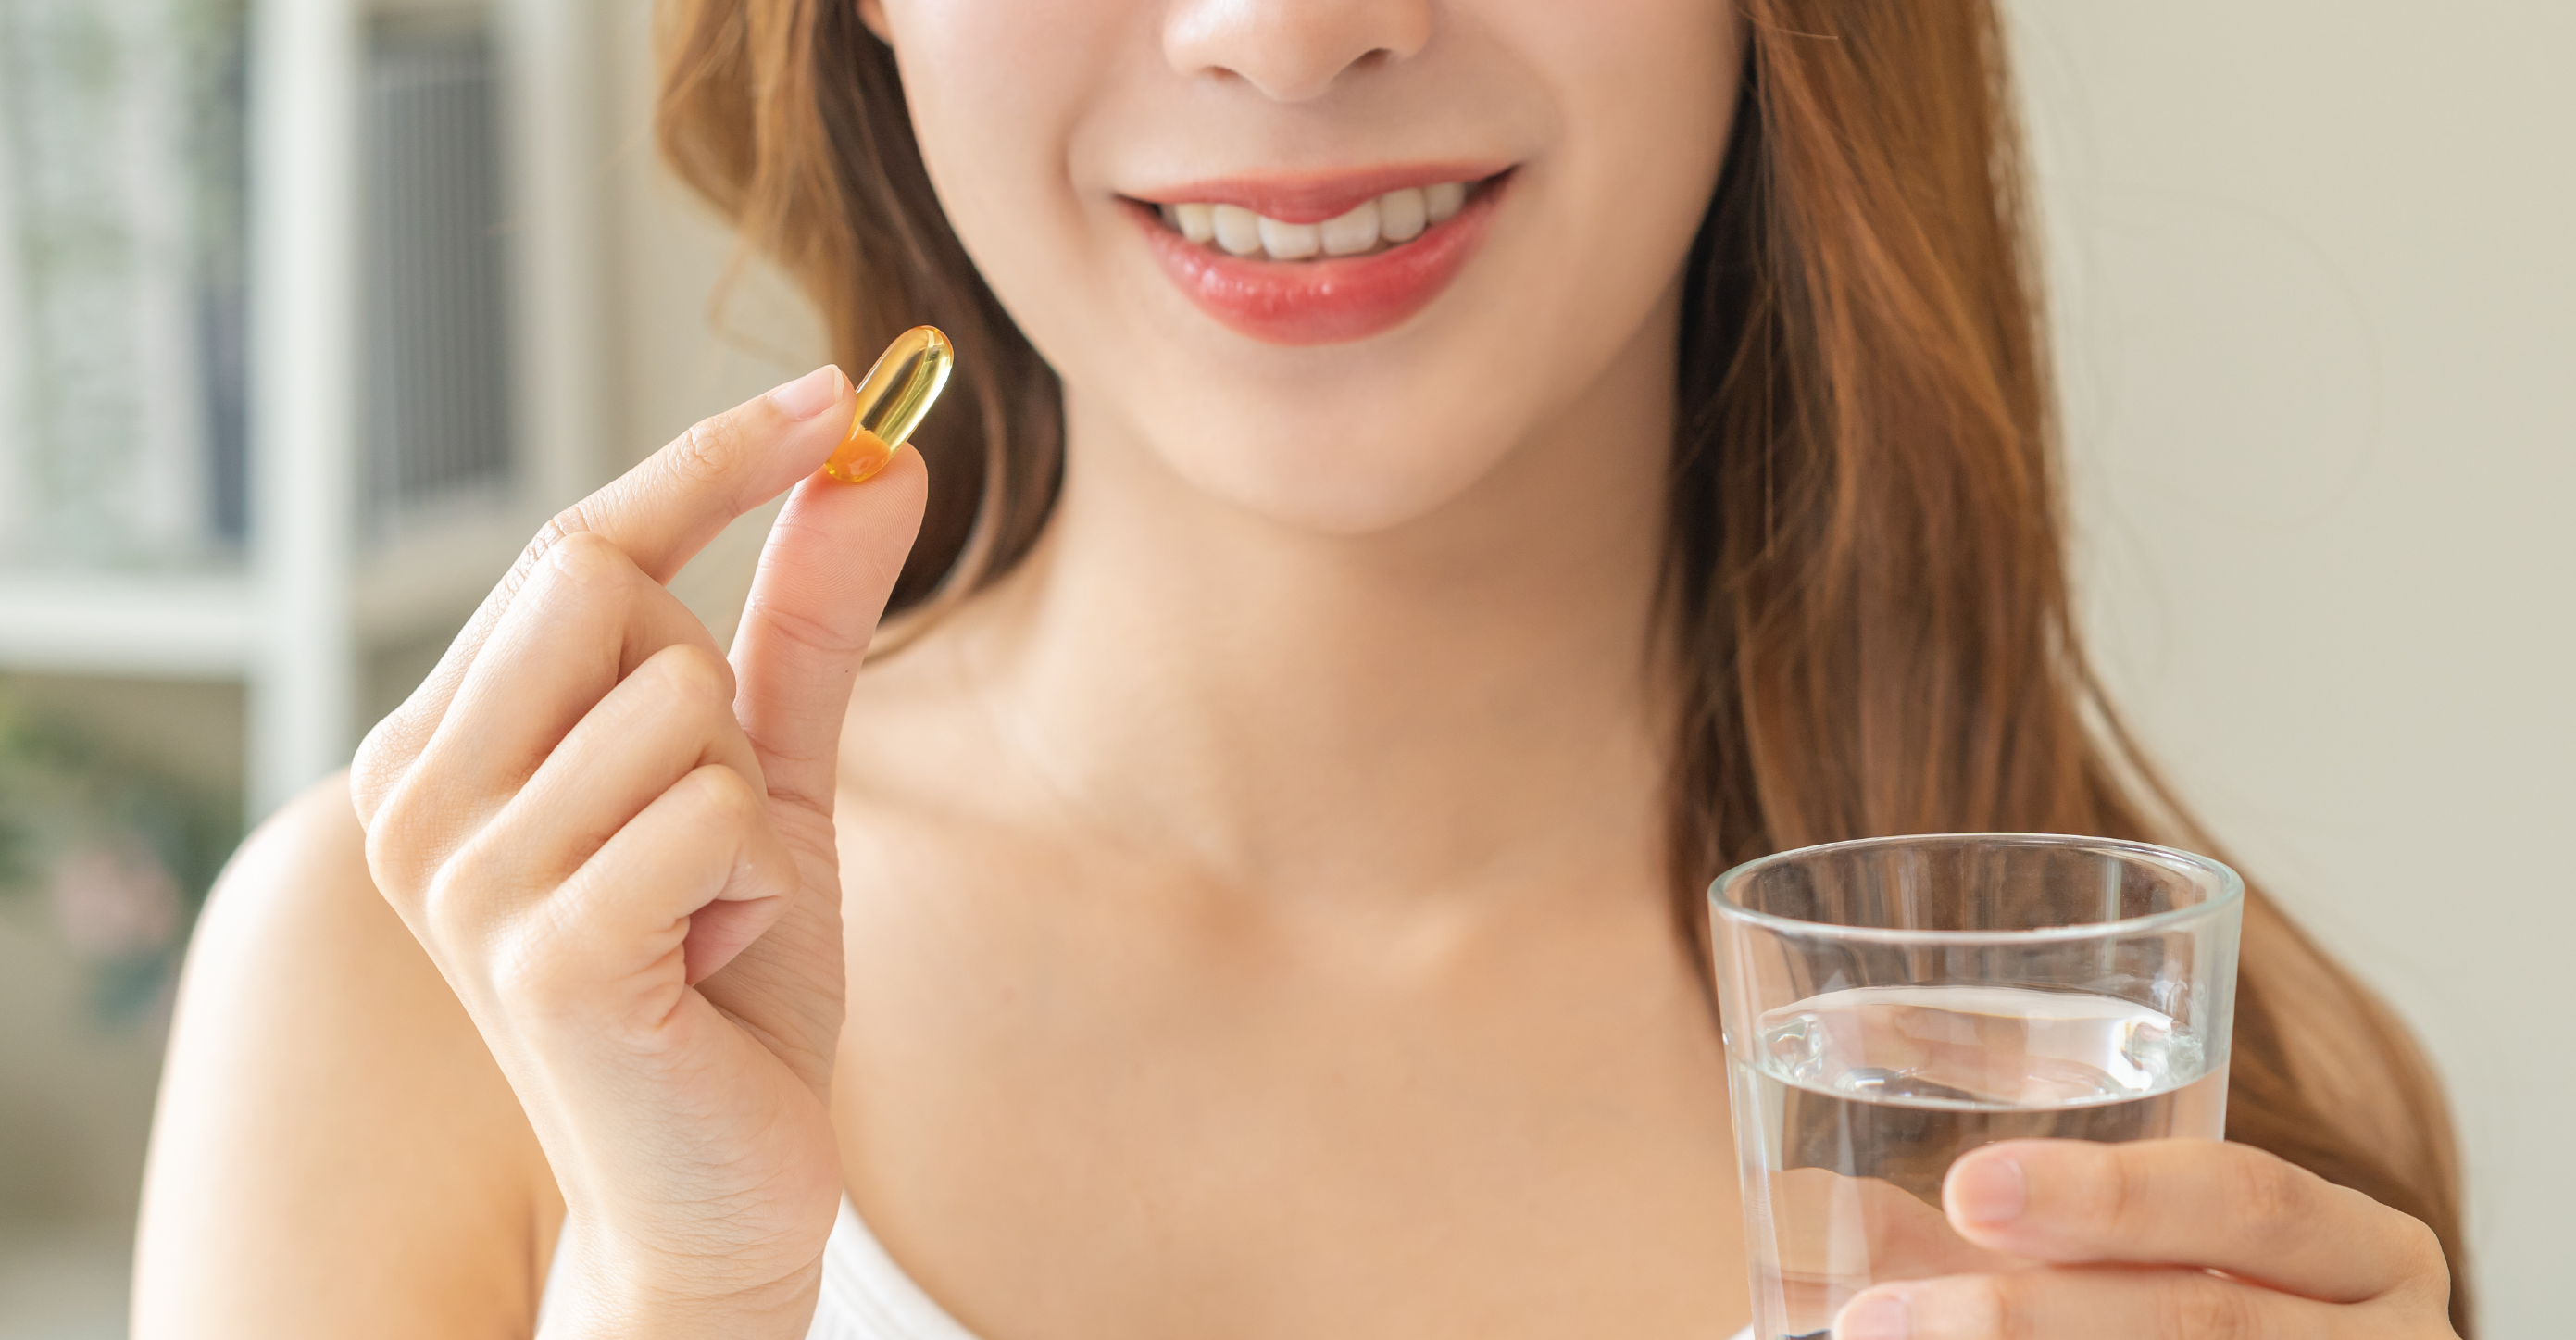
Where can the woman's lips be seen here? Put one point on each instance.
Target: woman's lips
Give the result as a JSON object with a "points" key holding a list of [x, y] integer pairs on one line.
{"points": [[1329, 300]]}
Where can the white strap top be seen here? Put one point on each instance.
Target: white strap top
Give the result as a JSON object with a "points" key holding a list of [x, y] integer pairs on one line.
{"points": [[866, 1295]]}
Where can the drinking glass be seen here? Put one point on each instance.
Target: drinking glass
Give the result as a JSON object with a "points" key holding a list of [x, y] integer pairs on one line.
{"points": [[1893, 1003]]}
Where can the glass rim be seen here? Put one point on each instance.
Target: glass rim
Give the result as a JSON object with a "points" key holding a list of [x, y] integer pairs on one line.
{"points": [[2229, 893]]}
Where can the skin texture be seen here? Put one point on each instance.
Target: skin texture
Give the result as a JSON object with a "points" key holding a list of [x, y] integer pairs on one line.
{"points": [[1248, 918]]}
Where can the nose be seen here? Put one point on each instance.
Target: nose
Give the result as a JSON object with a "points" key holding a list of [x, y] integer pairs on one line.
{"points": [[1292, 50]]}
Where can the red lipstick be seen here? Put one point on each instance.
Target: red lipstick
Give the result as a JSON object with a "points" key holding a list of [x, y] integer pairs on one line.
{"points": [[1331, 300]]}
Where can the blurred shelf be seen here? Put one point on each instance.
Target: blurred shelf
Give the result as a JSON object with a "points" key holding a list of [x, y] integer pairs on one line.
{"points": [[208, 625], [178, 627], [380, 150]]}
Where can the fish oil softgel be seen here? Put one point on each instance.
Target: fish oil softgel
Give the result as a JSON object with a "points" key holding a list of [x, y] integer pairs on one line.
{"points": [[898, 391]]}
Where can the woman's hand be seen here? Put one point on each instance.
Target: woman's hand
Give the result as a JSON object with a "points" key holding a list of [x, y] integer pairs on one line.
{"points": [[618, 848], [2166, 1240]]}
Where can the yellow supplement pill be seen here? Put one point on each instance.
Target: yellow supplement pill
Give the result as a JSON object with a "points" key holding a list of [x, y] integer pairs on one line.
{"points": [[898, 392]]}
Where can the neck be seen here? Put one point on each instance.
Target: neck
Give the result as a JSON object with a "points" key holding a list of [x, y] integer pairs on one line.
{"points": [[1462, 700]]}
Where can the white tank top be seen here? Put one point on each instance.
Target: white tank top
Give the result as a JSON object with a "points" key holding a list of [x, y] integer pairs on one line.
{"points": [[866, 1295]]}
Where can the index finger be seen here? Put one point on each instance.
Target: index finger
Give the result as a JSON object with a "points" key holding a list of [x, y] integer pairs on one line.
{"points": [[659, 514], [2203, 1203], [666, 509]]}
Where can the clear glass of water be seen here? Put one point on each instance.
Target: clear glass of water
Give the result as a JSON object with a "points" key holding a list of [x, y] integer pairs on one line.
{"points": [[1893, 1003]]}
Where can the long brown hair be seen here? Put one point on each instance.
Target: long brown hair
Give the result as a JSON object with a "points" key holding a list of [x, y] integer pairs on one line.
{"points": [[1866, 564]]}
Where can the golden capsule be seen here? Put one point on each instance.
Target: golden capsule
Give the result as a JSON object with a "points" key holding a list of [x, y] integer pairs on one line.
{"points": [[898, 392]]}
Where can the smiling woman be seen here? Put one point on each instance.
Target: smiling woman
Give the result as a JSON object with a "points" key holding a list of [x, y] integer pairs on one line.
{"points": [[1435, 482], [1865, 436]]}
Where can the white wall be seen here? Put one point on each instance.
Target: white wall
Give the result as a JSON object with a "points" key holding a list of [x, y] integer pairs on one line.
{"points": [[2317, 316]]}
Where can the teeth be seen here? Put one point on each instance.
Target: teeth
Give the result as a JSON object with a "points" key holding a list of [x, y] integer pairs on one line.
{"points": [[1289, 241], [1443, 200], [1395, 217], [1237, 229], [1352, 233], [1400, 214]]}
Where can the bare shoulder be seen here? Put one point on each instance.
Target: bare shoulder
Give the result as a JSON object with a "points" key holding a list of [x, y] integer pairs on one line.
{"points": [[335, 1151]]}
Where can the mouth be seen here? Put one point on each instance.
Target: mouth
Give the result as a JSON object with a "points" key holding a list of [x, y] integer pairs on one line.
{"points": [[1319, 260]]}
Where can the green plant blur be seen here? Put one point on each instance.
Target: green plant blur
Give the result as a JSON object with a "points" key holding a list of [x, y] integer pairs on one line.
{"points": [[114, 853]]}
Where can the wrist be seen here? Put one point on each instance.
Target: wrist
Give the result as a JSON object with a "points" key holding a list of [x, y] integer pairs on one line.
{"points": [[596, 1292]]}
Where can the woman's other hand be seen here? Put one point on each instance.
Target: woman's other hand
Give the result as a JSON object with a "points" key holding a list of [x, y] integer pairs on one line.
{"points": [[618, 848], [2166, 1240]]}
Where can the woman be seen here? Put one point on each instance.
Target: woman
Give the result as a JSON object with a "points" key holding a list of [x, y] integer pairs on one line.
{"points": [[1261, 898]]}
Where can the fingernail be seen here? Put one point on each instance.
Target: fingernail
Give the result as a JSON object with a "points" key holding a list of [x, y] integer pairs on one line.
{"points": [[1988, 1190], [1882, 1317], [810, 394]]}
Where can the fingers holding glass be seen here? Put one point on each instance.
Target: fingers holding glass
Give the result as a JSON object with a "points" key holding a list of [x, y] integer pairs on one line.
{"points": [[2097, 1304], [2163, 1240], [1833, 1233], [2201, 1203]]}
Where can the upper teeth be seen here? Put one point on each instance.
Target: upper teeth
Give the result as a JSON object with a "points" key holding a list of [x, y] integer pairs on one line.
{"points": [[1397, 216]]}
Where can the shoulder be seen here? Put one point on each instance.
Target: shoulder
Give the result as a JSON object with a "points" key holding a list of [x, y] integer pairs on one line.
{"points": [[299, 878], [335, 1149], [296, 943]]}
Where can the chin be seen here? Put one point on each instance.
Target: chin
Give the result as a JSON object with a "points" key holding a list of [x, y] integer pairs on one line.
{"points": [[1311, 472]]}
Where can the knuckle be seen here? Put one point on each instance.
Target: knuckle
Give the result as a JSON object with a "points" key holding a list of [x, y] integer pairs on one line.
{"points": [[2112, 1187], [2264, 1194], [457, 900], [562, 526], [1995, 1305], [571, 529], [380, 762], [403, 839], [693, 676], [725, 797], [520, 975], [390, 859], [2201, 1307], [587, 562], [704, 453], [566, 561], [450, 913], [2419, 1250]]}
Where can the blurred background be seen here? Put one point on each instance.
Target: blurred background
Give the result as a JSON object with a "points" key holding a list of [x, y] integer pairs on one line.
{"points": [[311, 310]]}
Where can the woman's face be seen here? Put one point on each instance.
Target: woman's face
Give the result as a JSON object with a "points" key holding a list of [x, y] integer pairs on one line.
{"points": [[1470, 210]]}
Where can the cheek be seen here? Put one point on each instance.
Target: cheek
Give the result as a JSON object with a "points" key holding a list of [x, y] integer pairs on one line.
{"points": [[1645, 91], [995, 88]]}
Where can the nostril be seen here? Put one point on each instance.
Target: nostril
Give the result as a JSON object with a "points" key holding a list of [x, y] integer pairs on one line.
{"points": [[1291, 52]]}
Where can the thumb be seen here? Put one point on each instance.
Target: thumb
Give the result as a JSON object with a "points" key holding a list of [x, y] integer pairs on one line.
{"points": [[822, 584]]}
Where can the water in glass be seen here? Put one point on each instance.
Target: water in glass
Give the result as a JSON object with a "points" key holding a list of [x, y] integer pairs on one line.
{"points": [[1854, 1103]]}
